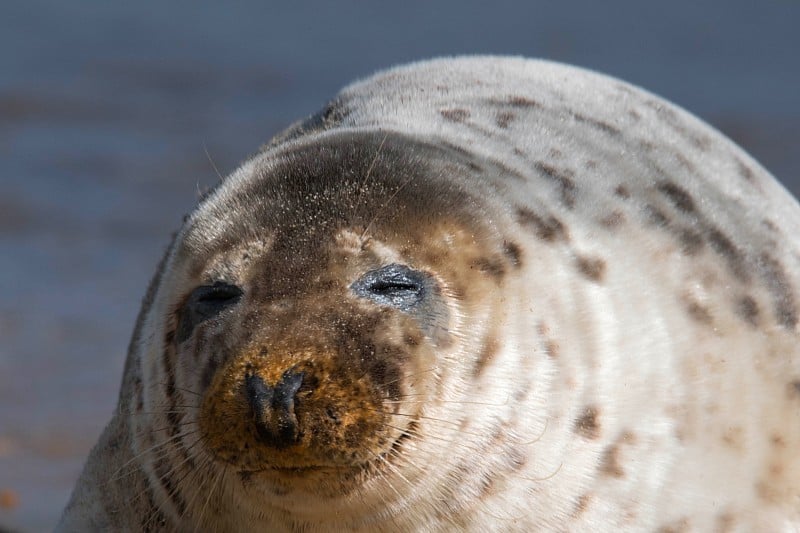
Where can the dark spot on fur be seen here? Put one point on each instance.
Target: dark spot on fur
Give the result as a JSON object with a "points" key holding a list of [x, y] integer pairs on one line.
{"points": [[492, 266], [516, 459], [593, 269], [725, 522], [622, 192], [684, 162], [646, 145], [563, 179], [613, 220], [412, 339], [698, 313], [770, 225], [588, 424], [503, 119], [582, 504], [548, 228], [794, 389], [732, 437], [701, 142], [605, 127], [677, 195], [747, 310], [455, 114], [745, 171], [655, 216], [782, 291], [522, 101], [730, 252], [691, 241], [513, 252], [609, 464], [552, 348], [510, 171], [679, 526], [488, 351], [487, 482]]}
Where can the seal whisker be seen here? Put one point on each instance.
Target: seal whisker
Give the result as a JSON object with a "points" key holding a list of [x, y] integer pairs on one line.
{"points": [[156, 447], [219, 482], [384, 206], [213, 165], [364, 182]]}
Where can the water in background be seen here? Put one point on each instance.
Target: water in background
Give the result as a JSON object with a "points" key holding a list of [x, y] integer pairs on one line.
{"points": [[107, 111]]}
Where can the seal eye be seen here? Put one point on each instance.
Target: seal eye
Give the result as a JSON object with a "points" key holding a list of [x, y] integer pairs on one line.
{"points": [[395, 285], [206, 301]]}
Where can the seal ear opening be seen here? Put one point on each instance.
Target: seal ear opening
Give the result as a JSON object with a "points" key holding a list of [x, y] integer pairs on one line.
{"points": [[205, 302]]}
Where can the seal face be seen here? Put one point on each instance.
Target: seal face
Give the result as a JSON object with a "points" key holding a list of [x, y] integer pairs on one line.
{"points": [[329, 318], [470, 294]]}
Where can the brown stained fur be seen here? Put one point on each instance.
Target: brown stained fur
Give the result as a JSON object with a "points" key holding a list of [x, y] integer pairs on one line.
{"points": [[326, 441]]}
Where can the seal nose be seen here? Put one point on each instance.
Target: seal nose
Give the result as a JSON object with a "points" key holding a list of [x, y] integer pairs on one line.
{"points": [[273, 408]]}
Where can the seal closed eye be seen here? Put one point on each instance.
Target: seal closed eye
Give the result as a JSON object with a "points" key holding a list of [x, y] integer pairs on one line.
{"points": [[204, 303], [394, 285]]}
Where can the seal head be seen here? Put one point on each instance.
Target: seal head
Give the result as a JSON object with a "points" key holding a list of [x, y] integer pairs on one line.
{"points": [[311, 322]]}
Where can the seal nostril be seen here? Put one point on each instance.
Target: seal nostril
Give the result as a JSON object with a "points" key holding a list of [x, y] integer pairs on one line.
{"points": [[285, 390], [272, 408]]}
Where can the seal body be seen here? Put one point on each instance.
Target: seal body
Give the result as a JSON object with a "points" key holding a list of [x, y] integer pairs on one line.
{"points": [[470, 294]]}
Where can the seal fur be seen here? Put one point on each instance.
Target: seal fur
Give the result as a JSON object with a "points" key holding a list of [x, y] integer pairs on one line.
{"points": [[470, 294]]}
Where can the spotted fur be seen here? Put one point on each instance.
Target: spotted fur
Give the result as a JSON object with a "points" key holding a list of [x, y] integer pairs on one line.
{"points": [[605, 336]]}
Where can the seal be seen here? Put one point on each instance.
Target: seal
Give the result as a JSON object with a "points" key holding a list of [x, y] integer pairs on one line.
{"points": [[475, 294]]}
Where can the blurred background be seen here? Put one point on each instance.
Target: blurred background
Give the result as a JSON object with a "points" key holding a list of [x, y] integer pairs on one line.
{"points": [[111, 113]]}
